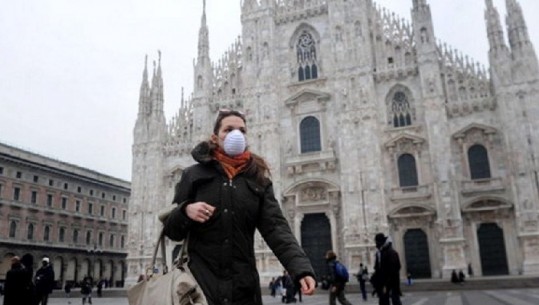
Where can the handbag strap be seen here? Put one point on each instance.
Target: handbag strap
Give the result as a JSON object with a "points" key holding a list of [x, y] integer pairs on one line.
{"points": [[183, 257]]}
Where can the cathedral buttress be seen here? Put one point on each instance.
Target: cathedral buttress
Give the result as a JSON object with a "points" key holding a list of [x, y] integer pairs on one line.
{"points": [[437, 126], [147, 195]]}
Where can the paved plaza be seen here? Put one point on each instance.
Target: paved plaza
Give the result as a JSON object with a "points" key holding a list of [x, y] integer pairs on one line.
{"points": [[486, 297]]}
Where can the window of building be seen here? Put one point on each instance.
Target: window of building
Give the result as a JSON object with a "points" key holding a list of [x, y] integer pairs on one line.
{"points": [[310, 134], [1, 170], [401, 110], [79, 189], [478, 162], [33, 199], [66, 186], [124, 200], [88, 237], [113, 197], [90, 208], [12, 229], [407, 170], [306, 56], [100, 240], [64, 202], [103, 195], [16, 193], [1, 189], [122, 242], [75, 236], [19, 175], [30, 232], [111, 241], [36, 178], [91, 192], [51, 182], [61, 235], [49, 200], [124, 214], [113, 212], [77, 206], [46, 233], [102, 211]]}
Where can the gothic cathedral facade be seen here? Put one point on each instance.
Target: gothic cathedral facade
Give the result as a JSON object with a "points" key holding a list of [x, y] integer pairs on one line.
{"points": [[369, 125]]}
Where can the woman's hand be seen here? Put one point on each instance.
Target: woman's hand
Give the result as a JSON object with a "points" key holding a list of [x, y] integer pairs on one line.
{"points": [[308, 285], [199, 211]]}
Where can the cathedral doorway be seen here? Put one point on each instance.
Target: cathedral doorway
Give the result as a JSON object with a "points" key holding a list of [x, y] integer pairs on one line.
{"points": [[416, 252], [492, 250], [316, 240]]}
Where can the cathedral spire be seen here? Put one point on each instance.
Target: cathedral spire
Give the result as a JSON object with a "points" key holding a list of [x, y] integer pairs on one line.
{"points": [[516, 25], [202, 65], [144, 89], [420, 5], [249, 5], [494, 29], [203, 37], [423, 25]]}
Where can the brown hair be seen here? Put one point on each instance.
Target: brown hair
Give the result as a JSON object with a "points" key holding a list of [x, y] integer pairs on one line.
{"points": [[330, 254], [257, 166]]}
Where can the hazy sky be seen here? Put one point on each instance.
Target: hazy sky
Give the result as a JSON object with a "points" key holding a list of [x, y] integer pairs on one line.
{"points": [[70, 70]]}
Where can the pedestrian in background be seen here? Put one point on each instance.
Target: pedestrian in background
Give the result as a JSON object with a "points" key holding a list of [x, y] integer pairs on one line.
{"points": [[362, 278], [67, 290], [27, 261], [17, 284], [86, 290], [337, 284], [44, 281], [272, 287], [386, 278]]}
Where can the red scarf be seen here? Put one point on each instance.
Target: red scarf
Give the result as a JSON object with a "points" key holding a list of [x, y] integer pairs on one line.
{"points": [[232, 165]]}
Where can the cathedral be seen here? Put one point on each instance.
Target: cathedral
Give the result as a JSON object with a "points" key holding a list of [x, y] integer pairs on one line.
{"points": [[370, 124]]}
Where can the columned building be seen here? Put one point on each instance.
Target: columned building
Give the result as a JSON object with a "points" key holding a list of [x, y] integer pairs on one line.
{"points": [[370, 124], [75, 216]]}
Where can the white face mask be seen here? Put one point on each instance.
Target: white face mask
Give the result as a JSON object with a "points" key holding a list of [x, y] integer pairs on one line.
{"points": [[234, 143]]}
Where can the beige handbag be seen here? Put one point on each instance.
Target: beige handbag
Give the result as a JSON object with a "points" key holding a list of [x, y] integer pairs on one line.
{"points": [[177, 287]]}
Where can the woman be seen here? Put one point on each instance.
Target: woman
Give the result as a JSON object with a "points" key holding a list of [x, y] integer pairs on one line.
{"points": [[221, 201]]}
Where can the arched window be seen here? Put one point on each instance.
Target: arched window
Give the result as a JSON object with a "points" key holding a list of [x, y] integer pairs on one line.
{"points": [[75, 236], [12, 229], [401, 111], [46, 233], [306, 56], [62, 235], [478, 162], [30, 233], [407, 170], [310, 134]]}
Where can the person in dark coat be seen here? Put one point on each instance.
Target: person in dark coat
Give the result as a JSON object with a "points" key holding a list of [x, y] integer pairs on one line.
{"points": [[336, 284], [221, 201], [386, 278], [27, 261], [44, 281], [17, 284]]}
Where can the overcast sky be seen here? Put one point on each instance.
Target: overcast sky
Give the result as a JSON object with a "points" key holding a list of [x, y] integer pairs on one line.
{"points": [[70, 70]]}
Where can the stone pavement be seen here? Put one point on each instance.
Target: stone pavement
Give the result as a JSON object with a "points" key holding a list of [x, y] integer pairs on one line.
{"points": [[465, 297]]}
